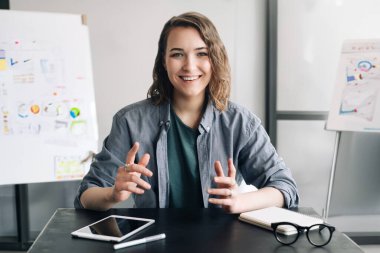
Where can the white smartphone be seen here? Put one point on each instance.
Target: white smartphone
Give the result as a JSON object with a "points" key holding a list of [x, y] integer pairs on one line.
{"points": [[113, 228]]}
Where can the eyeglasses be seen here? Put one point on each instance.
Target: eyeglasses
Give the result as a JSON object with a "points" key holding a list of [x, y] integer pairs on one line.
{"points": [[287, 233]]}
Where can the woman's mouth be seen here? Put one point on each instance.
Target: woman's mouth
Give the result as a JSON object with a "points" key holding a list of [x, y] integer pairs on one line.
{"points": [[190, 78]]}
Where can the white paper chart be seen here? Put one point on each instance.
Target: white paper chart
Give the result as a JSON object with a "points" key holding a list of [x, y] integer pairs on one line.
{"points": [[47, 105], [356, 105]]}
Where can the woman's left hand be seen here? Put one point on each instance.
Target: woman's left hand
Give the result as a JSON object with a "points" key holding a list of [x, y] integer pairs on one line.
{"points": [[227, 189]]}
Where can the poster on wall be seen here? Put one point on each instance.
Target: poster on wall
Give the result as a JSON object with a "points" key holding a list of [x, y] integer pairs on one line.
{"points": [[48, 126], [356, 99]]}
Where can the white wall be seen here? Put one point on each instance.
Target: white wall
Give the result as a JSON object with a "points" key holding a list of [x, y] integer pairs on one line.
{"points": [[124, 36]]}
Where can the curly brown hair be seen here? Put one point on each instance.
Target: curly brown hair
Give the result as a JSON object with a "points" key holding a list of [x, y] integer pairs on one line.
{"points": [[220, 84]]}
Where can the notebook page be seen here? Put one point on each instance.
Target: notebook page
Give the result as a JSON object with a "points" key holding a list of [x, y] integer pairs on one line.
{"points": [[266, 216]]}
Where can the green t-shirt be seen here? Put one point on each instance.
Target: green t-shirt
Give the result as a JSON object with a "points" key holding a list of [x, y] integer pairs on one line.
{"points": [[184, 179]]}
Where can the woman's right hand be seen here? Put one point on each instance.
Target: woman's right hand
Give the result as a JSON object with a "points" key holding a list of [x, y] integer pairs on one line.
{"points": [[128, 179]]}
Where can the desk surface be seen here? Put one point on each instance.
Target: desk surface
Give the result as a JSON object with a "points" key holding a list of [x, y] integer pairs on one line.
{"points": [[197, 230]]}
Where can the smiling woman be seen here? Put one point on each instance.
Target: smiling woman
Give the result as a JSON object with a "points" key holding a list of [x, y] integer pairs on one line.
{"points": [[187, 62], [202, 31], [187, 145], [189, 71]]}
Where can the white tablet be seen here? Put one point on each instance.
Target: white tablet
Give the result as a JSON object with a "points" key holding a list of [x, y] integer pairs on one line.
{"points": [[113, 228]]}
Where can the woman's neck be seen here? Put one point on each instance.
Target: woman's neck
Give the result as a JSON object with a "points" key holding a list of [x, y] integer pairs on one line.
{"points": [[189, 110]]}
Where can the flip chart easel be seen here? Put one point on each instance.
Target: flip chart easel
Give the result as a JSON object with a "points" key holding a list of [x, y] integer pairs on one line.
{"points": [[332, 175], [356, 100], [48, 125]]}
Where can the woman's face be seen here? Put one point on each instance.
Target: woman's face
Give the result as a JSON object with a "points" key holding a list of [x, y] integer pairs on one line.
{"points": [[187, 63]]}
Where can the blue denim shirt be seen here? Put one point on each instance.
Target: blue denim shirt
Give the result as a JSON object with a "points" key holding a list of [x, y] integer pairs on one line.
{"points": [[234, 133]]}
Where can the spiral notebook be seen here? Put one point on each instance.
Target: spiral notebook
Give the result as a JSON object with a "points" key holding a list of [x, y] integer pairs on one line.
{"points": [[266, 216]]}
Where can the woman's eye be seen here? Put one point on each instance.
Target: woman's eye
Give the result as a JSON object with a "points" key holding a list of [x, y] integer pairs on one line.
{"points": [[202, 54], [176, 55]]}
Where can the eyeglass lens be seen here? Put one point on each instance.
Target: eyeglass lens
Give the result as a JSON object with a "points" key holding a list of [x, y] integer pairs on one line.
{"points": [[318, 235], [289, 237]]}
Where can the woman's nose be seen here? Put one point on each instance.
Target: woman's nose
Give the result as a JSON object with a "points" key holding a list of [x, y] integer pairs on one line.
{"points": [[189, 63]]}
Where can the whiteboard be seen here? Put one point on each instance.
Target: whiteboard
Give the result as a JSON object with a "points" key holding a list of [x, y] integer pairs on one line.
{"points": [[355, 104], [48, 123]]}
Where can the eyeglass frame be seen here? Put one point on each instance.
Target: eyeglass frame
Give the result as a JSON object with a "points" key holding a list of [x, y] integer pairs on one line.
{"points": [[301, 229]]}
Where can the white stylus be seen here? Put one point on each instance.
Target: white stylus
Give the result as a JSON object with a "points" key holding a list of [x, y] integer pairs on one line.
{"points": [[139, 241]]}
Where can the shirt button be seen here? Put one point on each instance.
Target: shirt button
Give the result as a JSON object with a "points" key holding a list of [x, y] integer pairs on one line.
{"points": [[208, 128]]}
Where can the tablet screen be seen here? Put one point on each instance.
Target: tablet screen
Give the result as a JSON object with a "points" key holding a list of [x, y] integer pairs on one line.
{"points": [[114, 226]]}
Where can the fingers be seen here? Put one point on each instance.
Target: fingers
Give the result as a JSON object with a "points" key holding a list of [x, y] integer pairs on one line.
{"points": [[132, 153], [221, 180], [225, 181], [131, 187], [225, 197], [137, 181], [144, 160], [224, 192], [218, 169], [130, 181], [132, 172], [223, 202], [141, 169], [141, 166], [231, 168]]}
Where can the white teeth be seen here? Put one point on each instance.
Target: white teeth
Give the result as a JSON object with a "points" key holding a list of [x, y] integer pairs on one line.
{"points": [[189, 78]]}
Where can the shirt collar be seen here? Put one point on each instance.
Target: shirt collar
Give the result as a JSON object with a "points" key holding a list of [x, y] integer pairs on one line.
{"points": [[206, 121], [204, 125], [164, 114]]}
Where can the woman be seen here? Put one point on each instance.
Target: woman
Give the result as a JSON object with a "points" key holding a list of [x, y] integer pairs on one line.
{"points": [[187, 145]]}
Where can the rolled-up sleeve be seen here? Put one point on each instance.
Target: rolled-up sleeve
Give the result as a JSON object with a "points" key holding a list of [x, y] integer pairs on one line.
{"points": [[103, 169], [261, 166]]}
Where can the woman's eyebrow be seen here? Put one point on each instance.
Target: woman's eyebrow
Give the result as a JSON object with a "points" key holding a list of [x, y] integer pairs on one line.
{"points": [[180, 49], [176, 49]]}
